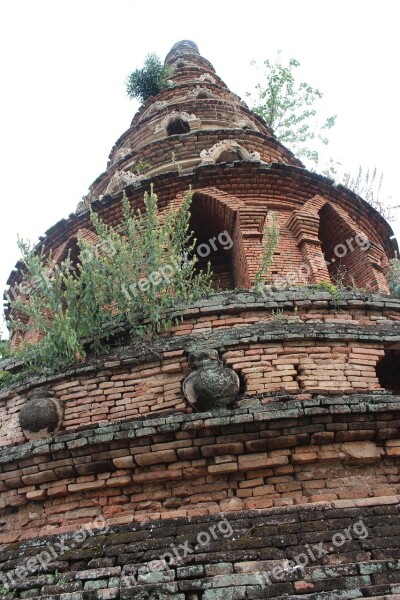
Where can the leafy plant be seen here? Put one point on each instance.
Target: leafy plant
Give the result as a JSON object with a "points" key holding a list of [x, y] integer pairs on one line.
{"points": [[6, 593], [148, 81], [129, 279], [4, 349], [5, 379], [269, 244], [393, 276], [278, 316], [59, 578], [329, 287], [176, 163], [343, 278], [288, 107], [141, 167]]}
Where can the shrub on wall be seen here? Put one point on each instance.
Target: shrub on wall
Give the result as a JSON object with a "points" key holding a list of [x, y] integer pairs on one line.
{"points": [[4, 349], [128, 279], [148, 81], [393, 277]]}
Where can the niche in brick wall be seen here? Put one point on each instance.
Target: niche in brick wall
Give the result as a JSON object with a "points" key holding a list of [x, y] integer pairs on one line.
{"points": [[388, 370], [213, 229], [178, 126], [341, 252]]}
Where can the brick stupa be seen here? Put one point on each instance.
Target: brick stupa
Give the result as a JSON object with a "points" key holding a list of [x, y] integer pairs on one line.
{"points": [[115, 485]]}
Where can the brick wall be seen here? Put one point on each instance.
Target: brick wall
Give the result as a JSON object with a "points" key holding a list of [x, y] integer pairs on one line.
{"points": [[286, 357], [256, 457], [261, 189], [293, 367], [293, 462], [187, 149], [241, 555]]}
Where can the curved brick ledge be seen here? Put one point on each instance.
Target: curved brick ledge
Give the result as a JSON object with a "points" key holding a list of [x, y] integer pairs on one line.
{"points": [[270, 356], [113, 562], [221, 338], [268, 359], [186, 465], [320, 303], [155, 152], [213, 112], [259, 410]]}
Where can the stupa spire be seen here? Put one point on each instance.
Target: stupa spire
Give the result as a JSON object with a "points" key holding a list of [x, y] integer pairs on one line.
{"points": [[197, 103]]}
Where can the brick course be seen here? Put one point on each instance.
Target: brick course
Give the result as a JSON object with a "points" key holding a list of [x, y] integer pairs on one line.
{"points": [[246, 557]]}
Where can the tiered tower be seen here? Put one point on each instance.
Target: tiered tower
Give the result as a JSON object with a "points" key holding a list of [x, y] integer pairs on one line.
{"points": [[140, 475]]}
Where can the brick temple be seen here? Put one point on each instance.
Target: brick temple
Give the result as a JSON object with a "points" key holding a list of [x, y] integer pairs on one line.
{"points": [[139, 475]]}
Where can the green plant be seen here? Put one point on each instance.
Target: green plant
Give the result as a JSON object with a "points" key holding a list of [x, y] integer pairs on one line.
{"points": [[289, 108], [6, 379], [59, 578], [148, 81], [6, 593], [277, 315], [132, 277], [4, 349], [176, 163], [269, 244], [342, 276], [332, 289], [393, 276], [141, 167], [295, 316]]}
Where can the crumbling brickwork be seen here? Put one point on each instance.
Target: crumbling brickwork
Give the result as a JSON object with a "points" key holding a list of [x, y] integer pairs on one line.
{"points": [[291, 488]]}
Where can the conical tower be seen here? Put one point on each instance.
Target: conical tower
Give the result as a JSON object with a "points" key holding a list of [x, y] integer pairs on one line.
{"points": [[249, 452]]}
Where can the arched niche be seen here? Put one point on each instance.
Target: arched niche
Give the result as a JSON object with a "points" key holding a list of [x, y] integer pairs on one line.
{"points": [[388, 370], [227, 151], [335, 248], [178, 126], [215, 222], [345, 250]]}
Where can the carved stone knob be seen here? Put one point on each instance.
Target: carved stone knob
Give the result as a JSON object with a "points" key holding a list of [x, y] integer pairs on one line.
{"points": [[41, 417], [210, 385]]}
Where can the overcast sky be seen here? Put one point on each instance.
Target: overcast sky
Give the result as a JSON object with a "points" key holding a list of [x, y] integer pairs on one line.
{"points": [[63, 102]]}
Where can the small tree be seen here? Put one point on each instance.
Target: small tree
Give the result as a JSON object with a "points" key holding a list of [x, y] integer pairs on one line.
{"points": [[289, 109], [148, 81], [129, 279]]}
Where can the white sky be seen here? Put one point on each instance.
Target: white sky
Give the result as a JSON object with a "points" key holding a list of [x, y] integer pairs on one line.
{"points": [[63, 102]]}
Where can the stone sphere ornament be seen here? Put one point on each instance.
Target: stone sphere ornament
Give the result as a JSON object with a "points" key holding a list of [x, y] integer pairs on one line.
{"points": [[211, 385], [41, 416]]}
